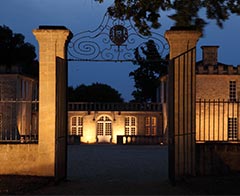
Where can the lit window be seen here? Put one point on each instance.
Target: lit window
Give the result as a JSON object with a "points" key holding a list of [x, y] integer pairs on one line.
{"points": [[232, 91], [104, 126], [150, 125], [130, 125], [232, 129], [108, 128], [76, 125], [100, 128]]}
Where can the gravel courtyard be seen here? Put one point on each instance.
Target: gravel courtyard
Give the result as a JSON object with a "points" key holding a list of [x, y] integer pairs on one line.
{"points": [[118, 170], [115, 169], [118, 163]]}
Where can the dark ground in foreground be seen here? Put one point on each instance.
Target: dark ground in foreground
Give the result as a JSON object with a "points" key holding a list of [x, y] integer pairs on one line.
{"points": [[30, 185], [119, 170]]}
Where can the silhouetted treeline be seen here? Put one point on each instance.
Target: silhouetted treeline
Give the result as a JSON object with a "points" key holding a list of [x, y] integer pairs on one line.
{"points": [[95, 92]]}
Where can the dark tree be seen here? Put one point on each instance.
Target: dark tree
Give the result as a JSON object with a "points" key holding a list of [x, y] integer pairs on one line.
{"points": [[146, 76], [95, 92], [15, 52], [146, 13]]}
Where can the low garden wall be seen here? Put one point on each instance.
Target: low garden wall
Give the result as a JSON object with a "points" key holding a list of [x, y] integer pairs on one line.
{"points": [[215, 158], [25, 159]]}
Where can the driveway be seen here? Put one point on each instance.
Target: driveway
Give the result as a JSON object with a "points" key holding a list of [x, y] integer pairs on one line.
{"points": [[119, 170], [114, 169]]}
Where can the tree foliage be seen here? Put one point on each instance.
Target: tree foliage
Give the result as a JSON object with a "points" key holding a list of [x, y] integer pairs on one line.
{"points": [[150, 67], [95, 92], [14, 51], [146, 13]]}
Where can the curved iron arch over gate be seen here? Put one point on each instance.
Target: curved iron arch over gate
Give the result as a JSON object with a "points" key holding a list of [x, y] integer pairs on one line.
{"points": [[114, 40]]}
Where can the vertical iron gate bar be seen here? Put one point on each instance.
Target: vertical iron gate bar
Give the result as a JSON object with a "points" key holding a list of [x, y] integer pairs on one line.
{"points": [[171, 126], [188, 55], [183, 115], [190, 119], [218, 119], [189, 128], [227, 118], [233, 123], [5, 131], [223, 114], [200, 120], [209, 118], [204, 119], [237, 119], [213, 130], [178, 128], [193, 112], [11, 124]]}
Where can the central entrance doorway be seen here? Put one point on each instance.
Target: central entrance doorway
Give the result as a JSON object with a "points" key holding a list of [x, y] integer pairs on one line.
{"points": [[104, 129]]}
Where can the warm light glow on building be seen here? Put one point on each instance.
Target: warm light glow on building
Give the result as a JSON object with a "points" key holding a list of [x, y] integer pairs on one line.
{"points": [[105, 126]]}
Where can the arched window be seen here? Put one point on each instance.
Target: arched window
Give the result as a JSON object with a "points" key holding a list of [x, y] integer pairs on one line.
{"points": [[130, 125], [76, 125], [104, 126]]}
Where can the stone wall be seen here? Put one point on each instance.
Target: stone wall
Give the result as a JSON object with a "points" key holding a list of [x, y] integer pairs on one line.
{"points": [[48, 157], [217, 158], [24, 159], [212, 86]]}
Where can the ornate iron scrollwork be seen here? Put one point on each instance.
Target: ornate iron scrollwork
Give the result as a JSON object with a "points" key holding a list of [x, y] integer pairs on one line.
{"points": [[113, 40], [118, 34]]}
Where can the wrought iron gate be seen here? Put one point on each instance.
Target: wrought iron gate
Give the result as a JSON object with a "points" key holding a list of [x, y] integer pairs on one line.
{"points": [[61, 122], [115, 40], [182, 115]]}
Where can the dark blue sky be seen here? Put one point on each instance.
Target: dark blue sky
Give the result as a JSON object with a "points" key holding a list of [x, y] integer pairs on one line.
{"points": [[22, 16]]}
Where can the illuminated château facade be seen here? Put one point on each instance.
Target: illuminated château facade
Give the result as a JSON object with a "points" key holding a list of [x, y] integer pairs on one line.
{"points": [[18, 113], [104, 122], [87, 122], [217, 98], [217, 109]]}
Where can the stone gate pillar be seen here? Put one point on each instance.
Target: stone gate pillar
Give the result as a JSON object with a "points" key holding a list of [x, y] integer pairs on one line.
{"points": [[52, 99], [181, 40], [181, 102]]}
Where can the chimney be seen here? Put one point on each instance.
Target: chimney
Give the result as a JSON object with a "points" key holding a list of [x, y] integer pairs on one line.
{"points": [[210, 55]]}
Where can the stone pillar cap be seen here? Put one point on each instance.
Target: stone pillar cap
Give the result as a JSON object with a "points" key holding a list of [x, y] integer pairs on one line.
{"points": [[52, 27]]}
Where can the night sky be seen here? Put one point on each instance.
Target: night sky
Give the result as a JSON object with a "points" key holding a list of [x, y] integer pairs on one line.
{"points": [[22, 16]]}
